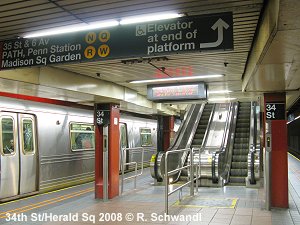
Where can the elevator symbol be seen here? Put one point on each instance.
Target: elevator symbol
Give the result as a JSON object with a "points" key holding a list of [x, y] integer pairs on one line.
{"points": [[140, 30]]}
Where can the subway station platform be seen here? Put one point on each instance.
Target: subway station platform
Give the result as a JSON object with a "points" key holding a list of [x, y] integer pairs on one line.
{"points": [[231, 205]]}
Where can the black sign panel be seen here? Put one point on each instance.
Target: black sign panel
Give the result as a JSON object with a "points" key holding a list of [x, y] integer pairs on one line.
{"points": [[186, 34], [102, 117], [185, 91], [275, 111]]}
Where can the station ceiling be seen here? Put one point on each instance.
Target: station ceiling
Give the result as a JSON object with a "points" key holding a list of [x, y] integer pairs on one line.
{"points": [[20, 17]]}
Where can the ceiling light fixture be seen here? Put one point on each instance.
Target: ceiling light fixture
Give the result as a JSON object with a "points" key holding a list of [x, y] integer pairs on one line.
{"points": [[76, 28], [219, 92], [149, 17], [220, 99], [298, 117], [176, 79], [104, 24]]}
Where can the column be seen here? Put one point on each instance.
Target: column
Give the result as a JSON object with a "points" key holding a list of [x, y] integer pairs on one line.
{"points": [[107, 139], [275, 115]]}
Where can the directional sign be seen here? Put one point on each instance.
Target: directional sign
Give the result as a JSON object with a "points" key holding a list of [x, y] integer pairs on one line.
{"points": [[186, 34], [275, 111]]}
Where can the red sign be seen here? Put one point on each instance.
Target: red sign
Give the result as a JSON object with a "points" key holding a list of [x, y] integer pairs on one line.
{"points": [[175, 72]]}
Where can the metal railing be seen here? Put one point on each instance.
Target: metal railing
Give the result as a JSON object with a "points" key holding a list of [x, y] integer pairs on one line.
{"points": [[124, 164], [190, 166]]}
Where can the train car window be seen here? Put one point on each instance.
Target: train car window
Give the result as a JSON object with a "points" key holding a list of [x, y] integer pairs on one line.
{"points": [[123, 136], [28, 141], [82, 136], [7, 135], [146, 139]]}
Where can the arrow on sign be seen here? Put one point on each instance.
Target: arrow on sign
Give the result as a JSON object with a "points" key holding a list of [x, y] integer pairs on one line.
{"points": [[220, 24]]}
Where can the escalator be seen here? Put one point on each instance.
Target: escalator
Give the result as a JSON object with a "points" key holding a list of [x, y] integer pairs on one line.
{"points": [[181, 141], [227, 138], [202, 126], [239, 165]]}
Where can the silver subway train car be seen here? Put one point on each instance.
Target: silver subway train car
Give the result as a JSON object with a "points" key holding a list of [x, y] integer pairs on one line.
{"points": [[45, 147]]}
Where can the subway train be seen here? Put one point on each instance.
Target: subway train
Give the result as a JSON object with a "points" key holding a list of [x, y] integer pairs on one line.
{"points": [[46, 147]]}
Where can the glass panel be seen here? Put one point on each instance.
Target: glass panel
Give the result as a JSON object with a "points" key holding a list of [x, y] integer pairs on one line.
{"points": [[123, 133], [146, 139], [82, 136], [28, 142], [8, 144]]}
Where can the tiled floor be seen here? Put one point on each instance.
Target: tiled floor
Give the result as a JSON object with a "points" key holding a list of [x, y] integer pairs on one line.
{"points": [[146, 206]]}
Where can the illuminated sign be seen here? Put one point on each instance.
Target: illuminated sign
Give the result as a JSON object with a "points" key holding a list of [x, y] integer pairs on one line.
{"points": [[186, 91], [174, 72]]}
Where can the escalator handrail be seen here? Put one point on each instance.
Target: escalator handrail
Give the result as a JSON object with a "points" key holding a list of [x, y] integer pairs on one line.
{"points": [[189, 142], [224, 144], [252, 141], [208, 126], [182, 128], [227, 126]]}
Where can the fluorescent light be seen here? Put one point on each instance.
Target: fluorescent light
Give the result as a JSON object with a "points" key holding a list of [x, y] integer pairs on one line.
{"points": [[298, 117], [150, 17], [220, 99], [176, 79], [219, 92], [74, 28], [104, 24]]}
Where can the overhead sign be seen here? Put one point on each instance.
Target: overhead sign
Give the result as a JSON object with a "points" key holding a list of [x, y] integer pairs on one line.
{"points": [[186, 34], [173, 92], [275, 111]]}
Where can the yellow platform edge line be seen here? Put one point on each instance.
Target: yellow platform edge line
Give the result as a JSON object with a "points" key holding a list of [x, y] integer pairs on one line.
{"points": [[29, 197], [293, 156]]}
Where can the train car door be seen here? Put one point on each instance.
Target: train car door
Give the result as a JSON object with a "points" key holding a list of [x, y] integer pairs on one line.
{"points": [[9, 158], [28, 153]]}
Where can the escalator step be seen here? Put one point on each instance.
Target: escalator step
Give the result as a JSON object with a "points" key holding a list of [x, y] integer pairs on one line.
{"points": [[199, 136], [245, 107], [238, 172], [239, 165], [241, 146], [240, 158], [205, 117], [203, 122], [240, 152], [244, 115], [197, 142], [242, 130], [242, 125], [240, 180], [241, 140], [241, 135], [245, 103], [243, 120]]}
